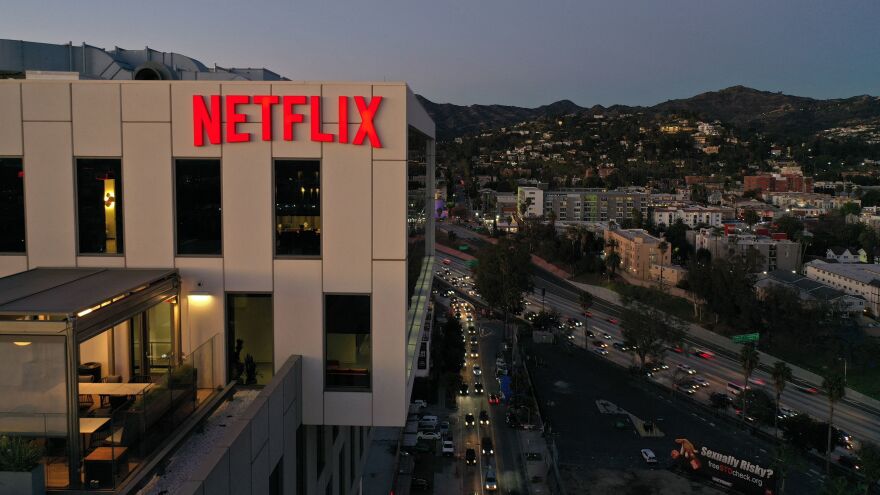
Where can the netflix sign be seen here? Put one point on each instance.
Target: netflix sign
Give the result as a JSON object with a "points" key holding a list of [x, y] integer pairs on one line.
{"points": [[208, 112]]}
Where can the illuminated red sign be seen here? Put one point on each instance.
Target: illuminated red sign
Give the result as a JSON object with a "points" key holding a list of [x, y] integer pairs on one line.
{"points": [[207, 118]]}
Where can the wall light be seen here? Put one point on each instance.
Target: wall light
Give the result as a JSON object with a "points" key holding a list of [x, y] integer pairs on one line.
{"points": [[22, 344], [199, 295]]}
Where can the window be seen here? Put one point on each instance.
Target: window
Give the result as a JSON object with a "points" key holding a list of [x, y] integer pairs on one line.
{"points": [[250, 338], [348, 346], [11, 206], [99, 205], [297, 208], [198, 207]]}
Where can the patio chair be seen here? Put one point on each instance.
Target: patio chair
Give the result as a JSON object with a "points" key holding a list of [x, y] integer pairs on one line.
{"points": [[108, 400], [86, 401]]}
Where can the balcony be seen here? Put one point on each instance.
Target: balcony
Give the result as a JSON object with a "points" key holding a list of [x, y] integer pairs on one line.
{"points": [[94, 374]]}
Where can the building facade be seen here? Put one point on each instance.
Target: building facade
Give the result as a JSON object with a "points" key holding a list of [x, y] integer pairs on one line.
{"points": [[693, 216], [295, 215], [768, 253], [638, 251], [862, 280]]}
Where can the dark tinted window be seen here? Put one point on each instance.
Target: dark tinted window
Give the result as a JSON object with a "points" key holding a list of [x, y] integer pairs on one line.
{"points": [[297, 208], [99, 205], [11, 206], [349, 347], [198, 203]]}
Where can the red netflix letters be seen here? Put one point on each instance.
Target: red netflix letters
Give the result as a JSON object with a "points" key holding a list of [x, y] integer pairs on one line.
{"points": [[207, 111]]}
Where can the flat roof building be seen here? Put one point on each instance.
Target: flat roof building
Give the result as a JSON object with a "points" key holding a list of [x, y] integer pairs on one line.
{"points": [[861, 280], [289, 224]]}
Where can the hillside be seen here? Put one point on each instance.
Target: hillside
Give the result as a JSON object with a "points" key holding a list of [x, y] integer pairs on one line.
{"points": [[745, 108]]}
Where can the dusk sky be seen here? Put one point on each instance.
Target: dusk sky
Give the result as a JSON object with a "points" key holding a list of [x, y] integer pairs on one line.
{"points": [[514, 52]]}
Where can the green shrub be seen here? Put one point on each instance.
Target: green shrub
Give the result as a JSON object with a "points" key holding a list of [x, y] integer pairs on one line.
{"points": [[18, 454]]}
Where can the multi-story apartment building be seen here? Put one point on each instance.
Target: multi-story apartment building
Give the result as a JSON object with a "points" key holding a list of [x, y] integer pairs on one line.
{"points": [[796, 200], [693, 216], [638, 251], [530, 201], [778, 183], [861, 280], [591, 205], [770, 253], [163, 239]]}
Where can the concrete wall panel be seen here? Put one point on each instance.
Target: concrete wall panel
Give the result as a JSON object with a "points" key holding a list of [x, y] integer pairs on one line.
{"points": [[146, 102], [101, 261], [247, 214], [97, 130], [389, 343], [390, 123], [49, 201], [302, 146], [389, 210], [46, 101], [10, 119], [347, 194], [148, 198], [299, 328], [182, 123], [348, 408], [11, 264], [204, 315], [331, 94]]}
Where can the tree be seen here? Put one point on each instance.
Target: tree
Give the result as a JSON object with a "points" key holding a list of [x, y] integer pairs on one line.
{"points": [[450, 351], [748, 359], [612, 259], [836, 485], [649, 330], [452, 236], [850, 209], [792, 226], [781, 375], [586, 300], [868, 241], [663, 246], [869, 454], [751, 217], [502, 274], [834, 385]]}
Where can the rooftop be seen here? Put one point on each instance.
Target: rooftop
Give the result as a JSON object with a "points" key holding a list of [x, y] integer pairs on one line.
{"points": [[636, 234], [864, 273]]}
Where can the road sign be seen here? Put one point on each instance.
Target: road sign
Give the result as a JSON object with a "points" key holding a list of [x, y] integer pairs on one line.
{"points": [[746, 338]]}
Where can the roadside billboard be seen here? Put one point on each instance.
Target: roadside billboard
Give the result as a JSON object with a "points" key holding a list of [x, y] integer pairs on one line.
{"points": [[727, 470]]}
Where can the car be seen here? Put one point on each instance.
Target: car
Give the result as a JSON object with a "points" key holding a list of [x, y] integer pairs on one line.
{"points": [[474, 353], [490, 483], [720, 400], [420, 484], [486, 446], [470, 317], [444, 428], [478, 388], [648, 456], [474, 340], [620, 346], [469, 419], [499, 362], [686, 369], [676, 349], [477, 370], [589, 334], [599, 343], [701, 381], [588, 314], [428, 435], [447, 261], [494, 399], [472, 330], [470, 457], [463, 389], [700, 353], [448, 448], [419, 403], [606, 335], [611, 320], [457, 314], [484, 417], [600, 351], [851, 462], [785, 412], [574, 323], [807, 390], [530, 315]]}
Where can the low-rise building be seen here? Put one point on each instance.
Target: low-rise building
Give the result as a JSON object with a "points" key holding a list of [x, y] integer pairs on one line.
{"points": [[774, 253], [638, 251], [693, 216], [668, 275], [810, 291], [842, 255], [530, 201], [855, 279]]}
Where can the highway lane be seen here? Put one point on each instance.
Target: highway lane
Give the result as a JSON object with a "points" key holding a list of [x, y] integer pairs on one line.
{"points": [[719, 371]]}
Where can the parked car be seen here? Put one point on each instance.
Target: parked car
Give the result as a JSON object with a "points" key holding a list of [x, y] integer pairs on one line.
{"points": [[419, 403], [470, 457], [486, 446], [484, 417], [648, 456], [469, 419], [428, 435], [448, 448]]}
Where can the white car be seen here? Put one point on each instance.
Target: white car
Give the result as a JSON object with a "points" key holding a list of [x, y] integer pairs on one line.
{"points": [[648, 456], [448, 448], [687, 369], [477, 370], [428, 435], [419, 403]]}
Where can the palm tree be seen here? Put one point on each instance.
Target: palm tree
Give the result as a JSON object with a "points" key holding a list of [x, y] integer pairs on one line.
{"points": [[663, 247], [781, 374], [835, 389], [748, 359]]}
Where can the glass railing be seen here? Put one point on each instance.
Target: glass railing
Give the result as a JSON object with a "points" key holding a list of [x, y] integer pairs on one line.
{"points": [[134, 420]]}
